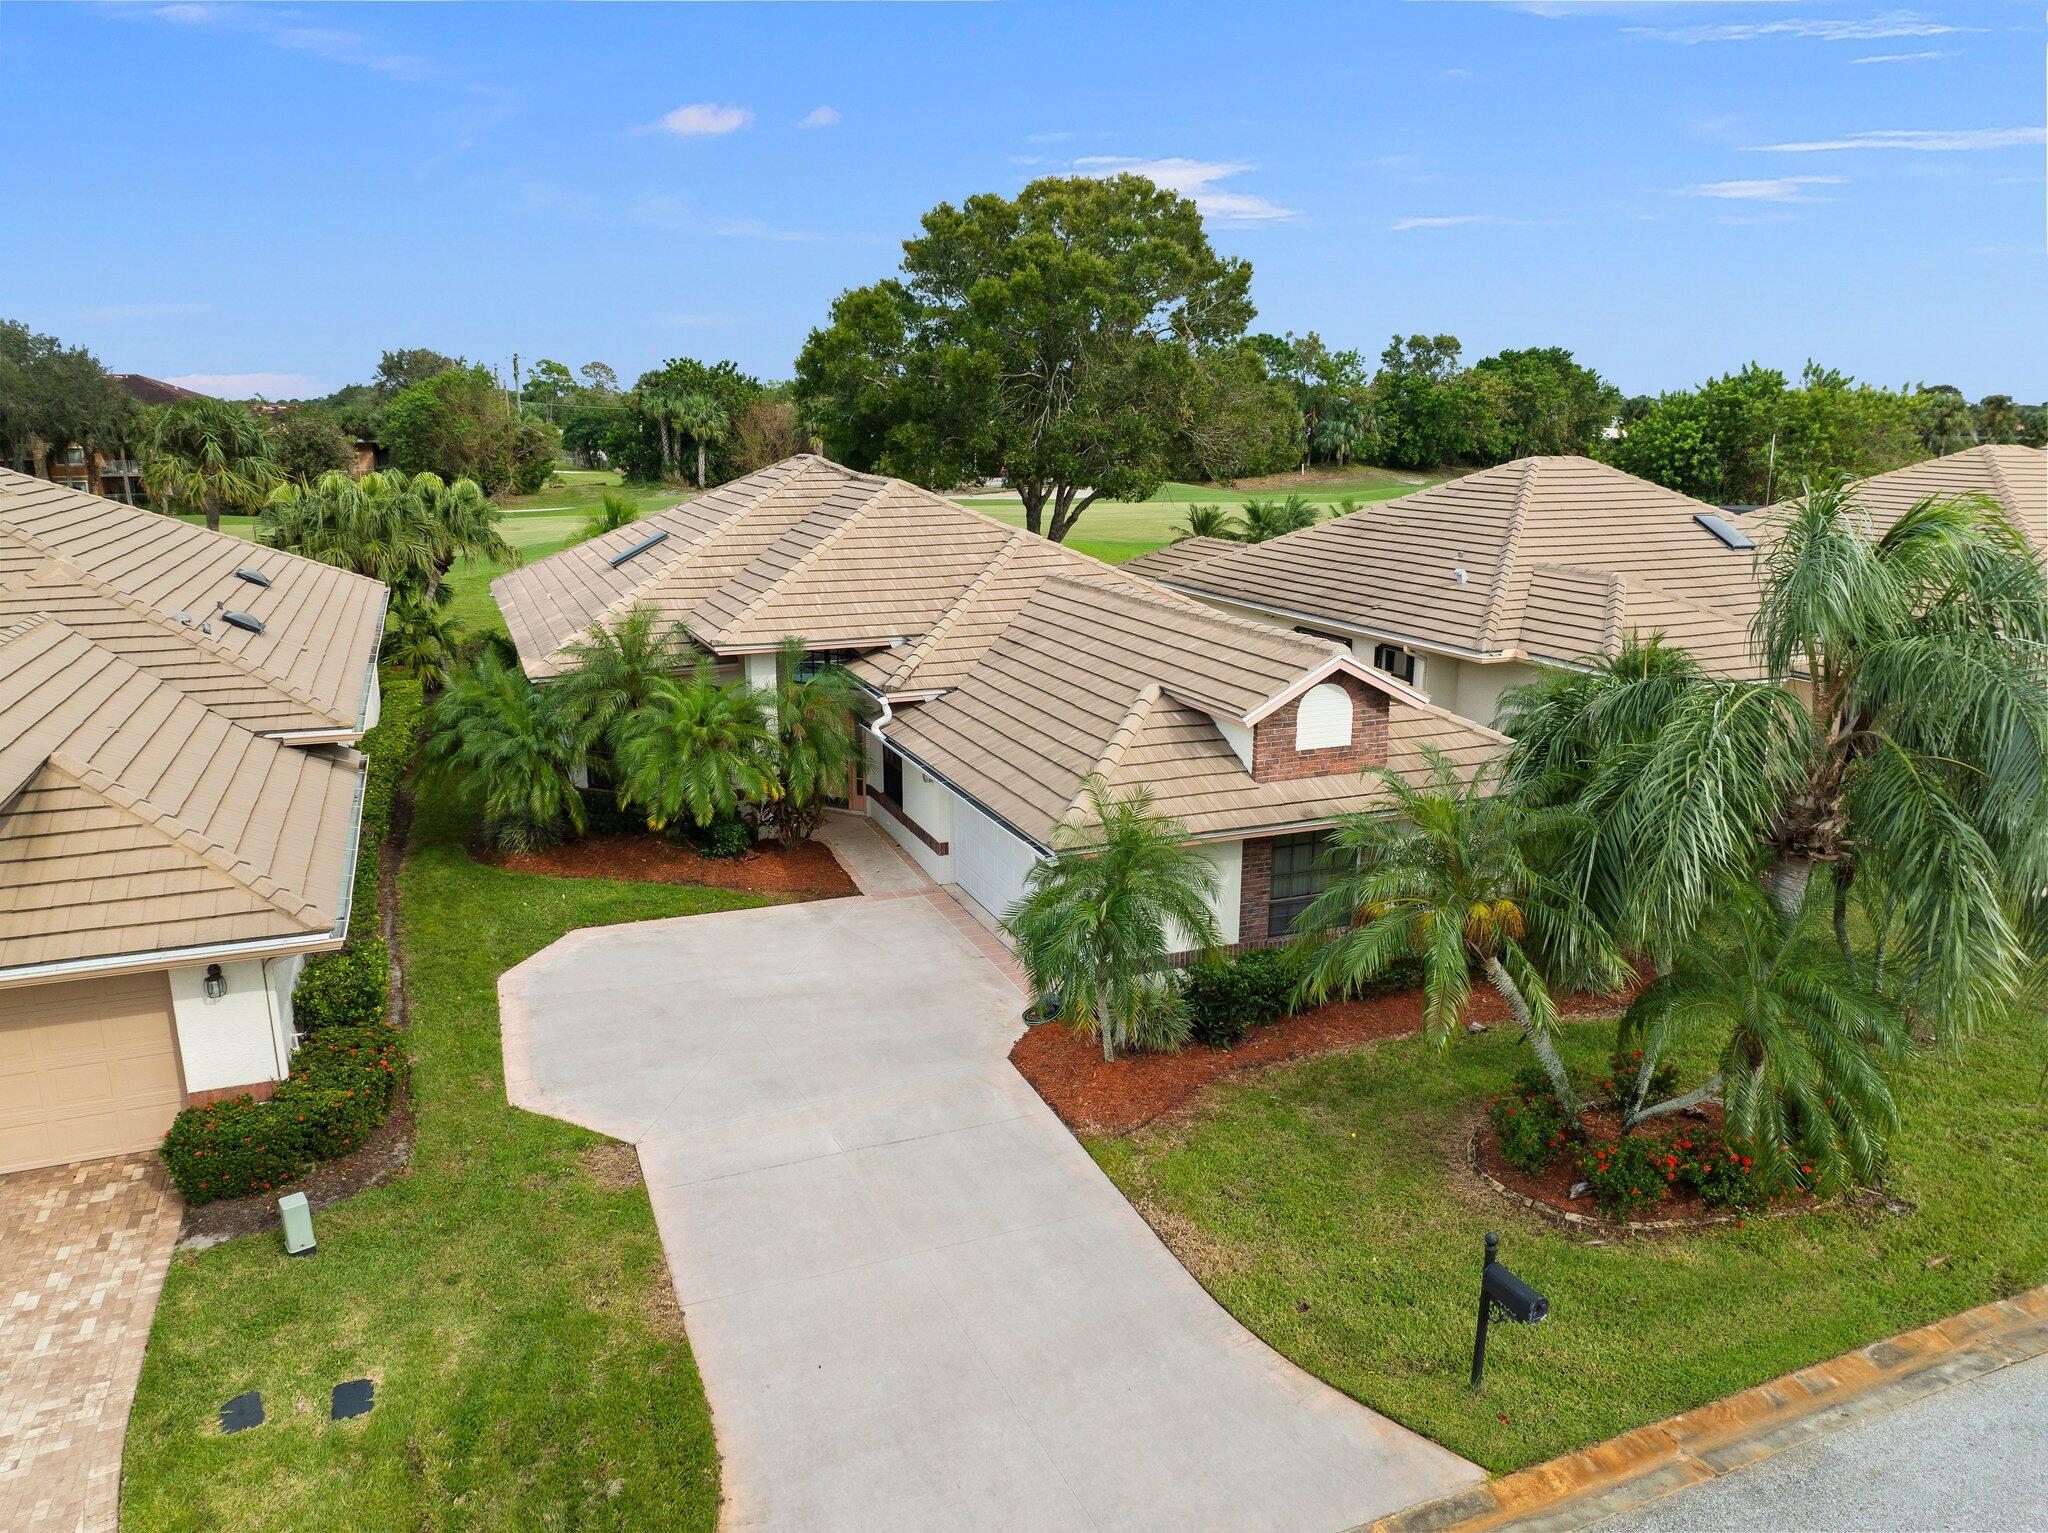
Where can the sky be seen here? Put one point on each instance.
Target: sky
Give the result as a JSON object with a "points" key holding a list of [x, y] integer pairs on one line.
{"points": [[259, 198]]}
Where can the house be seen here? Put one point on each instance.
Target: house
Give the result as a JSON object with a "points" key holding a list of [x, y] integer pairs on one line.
{"points": [[113, 475], [1468, 587], [179, 810], [1004, 670], [2012, 478]]}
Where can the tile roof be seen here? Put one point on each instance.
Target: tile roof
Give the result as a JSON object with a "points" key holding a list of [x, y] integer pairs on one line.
{"points": [[1547, 558], [804, 547], [1091, 678], [137, 819], [2013, 478], [150, 586], [1165, 563]]}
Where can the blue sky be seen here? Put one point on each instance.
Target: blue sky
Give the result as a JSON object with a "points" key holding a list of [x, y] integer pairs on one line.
{"points": [[262, 197]]}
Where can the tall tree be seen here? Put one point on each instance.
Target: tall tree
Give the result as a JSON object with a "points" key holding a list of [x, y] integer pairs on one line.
{"points": [[208, 457], [1052, 338], [53, 395], [400, 369], [1328, 387], [307, 441], [1544, 403], [702, 419], [548, 386], [407, 530], [1097, 924]]}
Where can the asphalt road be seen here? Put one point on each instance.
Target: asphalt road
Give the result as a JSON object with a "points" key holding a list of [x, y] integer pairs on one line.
{"points": [[1973, 1458]]}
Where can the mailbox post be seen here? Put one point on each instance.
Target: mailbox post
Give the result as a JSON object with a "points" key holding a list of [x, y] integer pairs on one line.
{"points": [[1501, 1289]]}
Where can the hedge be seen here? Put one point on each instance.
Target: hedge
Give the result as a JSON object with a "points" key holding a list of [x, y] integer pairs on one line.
{"points": [[342, 1083], [389, 747], [345, 989]]}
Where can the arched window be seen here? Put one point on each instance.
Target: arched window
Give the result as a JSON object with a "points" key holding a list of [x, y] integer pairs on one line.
{"points": [[1323, 719]]}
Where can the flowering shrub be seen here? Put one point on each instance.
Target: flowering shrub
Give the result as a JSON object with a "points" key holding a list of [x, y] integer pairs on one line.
{"points": [[1531, 1131], [1720, 1173], [1618, 1085], [1628, 1176], [342, 1083]]}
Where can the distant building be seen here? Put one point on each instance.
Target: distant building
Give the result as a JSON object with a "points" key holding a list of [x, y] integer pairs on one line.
{"points": [[97, 473]]}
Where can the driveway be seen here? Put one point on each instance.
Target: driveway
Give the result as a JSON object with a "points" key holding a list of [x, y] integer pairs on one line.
{"points": [[915, 1301], [83, 1252]]}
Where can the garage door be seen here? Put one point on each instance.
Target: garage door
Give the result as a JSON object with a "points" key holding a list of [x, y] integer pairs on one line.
{"points": [[988, 862], [87, 1069]]}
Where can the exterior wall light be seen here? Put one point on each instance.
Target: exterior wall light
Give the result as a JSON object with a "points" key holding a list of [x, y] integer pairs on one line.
{"points": [[216, 984]]}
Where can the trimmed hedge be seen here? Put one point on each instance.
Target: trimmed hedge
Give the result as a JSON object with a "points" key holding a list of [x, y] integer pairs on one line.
{"points": [[340, 1089], [389, 748], [1227, 997], [346, 989]]}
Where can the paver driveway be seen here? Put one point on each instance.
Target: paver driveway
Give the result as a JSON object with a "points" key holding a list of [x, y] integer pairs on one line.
{"points": [[916, 1302], [83, 1251]]}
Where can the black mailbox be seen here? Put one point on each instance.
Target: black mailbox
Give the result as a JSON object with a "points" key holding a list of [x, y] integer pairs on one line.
{"points": [[1500, 1289]]}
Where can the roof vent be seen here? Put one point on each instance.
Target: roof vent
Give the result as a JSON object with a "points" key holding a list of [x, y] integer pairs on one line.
{"points": [[243, 621], [254, 577], [640, 547], [1460, 575], [1724, 529]]}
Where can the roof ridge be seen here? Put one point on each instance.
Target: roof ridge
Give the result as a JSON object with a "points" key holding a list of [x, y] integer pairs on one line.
{"points": [[1113, 752], [1142, 590], [760, 599], [222, 859], [1617, 601], [916, 653], [2008, 499], [1510, 552], [198, 639]]}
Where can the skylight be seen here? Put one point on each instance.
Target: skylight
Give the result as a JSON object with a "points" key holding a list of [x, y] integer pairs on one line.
{"points": [[1724, 529], [254, 577], [243, 621], [640, 547]]}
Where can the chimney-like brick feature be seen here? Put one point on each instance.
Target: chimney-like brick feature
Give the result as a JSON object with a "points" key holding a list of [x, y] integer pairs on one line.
{"points": [[1274, 758], [1255, 893]]}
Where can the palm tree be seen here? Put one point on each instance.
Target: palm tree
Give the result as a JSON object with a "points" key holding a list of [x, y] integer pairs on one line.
{"points": [[815, 745], [1207, 522], [1802, 1037], [615, 671], [1910, 755], [698, 748], [207, 456], [612, 512], [503, 742], [1098, 922], [405, 530], [1460, 877], [421, 638], [1265, 519], [702, 419], [461, 523]]}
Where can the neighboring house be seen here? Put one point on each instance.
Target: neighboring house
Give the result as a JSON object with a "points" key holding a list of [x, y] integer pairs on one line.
{"points": [[2015, 479], [179, 810], [1467, 587], [97, 473], [1005, 669]]}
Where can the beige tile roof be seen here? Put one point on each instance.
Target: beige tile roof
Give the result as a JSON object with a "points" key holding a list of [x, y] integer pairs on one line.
{"points": [[1560, 556], [135, 819], [1165, 563], [1091, 678], [144, 583], [804, 547], [2013, 478]]}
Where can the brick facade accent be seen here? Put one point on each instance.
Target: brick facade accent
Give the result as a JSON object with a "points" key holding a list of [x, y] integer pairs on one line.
{"points": [[260, 1090], [1255, 893], [1274, 758]]}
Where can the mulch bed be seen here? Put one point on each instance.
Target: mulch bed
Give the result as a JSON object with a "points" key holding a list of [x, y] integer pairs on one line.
{"points": [[1094, 1097], [807, 871], [1552, 1186]]}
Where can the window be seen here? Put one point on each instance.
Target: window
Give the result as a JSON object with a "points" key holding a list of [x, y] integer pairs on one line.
{"points": [[1322, 720], [817, 660], [74, 456], [1299, 875], [892, 775], [1318, 633], [1394, 660]]}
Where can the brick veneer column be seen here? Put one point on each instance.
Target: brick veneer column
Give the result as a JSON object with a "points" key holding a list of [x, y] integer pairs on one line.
{"points": [[1274, 758], [1255, 892]]}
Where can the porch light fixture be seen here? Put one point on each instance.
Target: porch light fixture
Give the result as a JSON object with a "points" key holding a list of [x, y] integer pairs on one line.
{"points": [[216, 983]]}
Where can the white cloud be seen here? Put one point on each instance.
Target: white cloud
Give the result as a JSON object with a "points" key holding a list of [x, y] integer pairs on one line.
{"points": [[121, 311], [1916, 140], [1772, 189], [1863, 29], [701, 119], [281, 31], [249, 385], [1904, 58], [1059, 137], [820, 117], [1446, 221], [1194, 179], [755, 229]]}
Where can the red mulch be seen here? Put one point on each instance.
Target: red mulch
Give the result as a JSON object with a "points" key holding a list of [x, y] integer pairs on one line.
{"points": [[1553, 1185], [1094, 1097], [808, 870]]}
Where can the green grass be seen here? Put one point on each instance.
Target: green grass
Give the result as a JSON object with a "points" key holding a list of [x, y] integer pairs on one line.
{"points": [[514, 1313], [581, 488], [1326, 1205]]}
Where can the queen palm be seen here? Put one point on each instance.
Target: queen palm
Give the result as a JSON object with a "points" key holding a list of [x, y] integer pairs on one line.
{"points": [[207, 456], [461, 523], [1801, 1038], [697, 748], [504, 743], [615, 670], [815, 745], [1461, 878], [1098, 922], [421, 638], [1910, 754]]}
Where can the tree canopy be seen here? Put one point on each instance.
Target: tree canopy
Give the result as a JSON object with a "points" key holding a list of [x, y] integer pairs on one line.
{"points": [[52, 395], [459, 424]]}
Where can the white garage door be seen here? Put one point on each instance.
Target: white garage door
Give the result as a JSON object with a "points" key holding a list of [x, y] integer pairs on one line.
{"points": [[989, 862], [87, 1069]]}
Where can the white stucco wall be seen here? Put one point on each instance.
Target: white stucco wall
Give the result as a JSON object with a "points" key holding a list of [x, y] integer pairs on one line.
{"points": [[989, 861], [927, 801], [1478, 688], [240, 1039], [376, 709]]}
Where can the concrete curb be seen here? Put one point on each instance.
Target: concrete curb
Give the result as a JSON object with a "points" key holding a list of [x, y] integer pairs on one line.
{"points": [[1651, 1462]]}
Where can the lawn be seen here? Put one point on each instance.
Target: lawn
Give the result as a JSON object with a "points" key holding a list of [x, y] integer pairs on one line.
{"points": [[514, 1310], [577, 489], [1325, 1204]]}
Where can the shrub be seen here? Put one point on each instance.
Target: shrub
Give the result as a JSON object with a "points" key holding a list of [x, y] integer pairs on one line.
{"points": [[1531, 1131], [726, 836], [1618, 1085], [1626, 1177], [1719, 1172], [343, 989], [1227, 997], [342, 1083]]}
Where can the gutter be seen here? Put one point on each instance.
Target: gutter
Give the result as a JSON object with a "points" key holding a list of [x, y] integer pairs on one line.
{"points": [[888, 714]]}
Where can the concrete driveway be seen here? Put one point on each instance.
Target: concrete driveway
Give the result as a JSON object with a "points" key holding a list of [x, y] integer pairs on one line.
{"points": [[83, 1252], [916, 1302]]}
